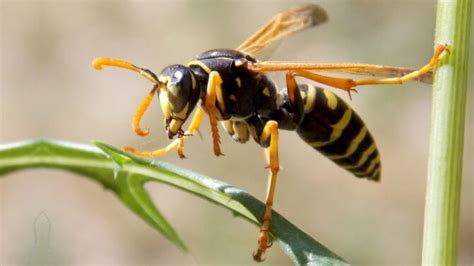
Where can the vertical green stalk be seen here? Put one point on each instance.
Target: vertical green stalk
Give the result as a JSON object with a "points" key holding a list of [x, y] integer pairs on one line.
{"points": [[447, 135]]}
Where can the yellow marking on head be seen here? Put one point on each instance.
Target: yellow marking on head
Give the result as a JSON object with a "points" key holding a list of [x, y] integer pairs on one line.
{"points": [[353, 146], [175, 125], [267, 92], [310, 98], [200, 64], [336, 130], [164, 79], [239, 82], [232, 97], [164, 103], [332, 100], [364, 157], [184, 113]]}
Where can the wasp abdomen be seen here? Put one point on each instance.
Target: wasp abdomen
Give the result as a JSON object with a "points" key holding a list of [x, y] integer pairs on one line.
{"points": [[333, 128]]}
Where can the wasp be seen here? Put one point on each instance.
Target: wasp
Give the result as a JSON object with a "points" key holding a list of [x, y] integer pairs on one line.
{"points": [[232, 87]]}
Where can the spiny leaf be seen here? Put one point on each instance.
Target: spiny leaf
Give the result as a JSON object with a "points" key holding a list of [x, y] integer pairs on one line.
{"points": [[125, 175]]}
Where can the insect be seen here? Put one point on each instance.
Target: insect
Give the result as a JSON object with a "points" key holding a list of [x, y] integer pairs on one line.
{"points": [[231, 87]]}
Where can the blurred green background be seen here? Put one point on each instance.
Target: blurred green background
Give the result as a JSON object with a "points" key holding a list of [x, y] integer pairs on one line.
{"points": [[49, 89]]}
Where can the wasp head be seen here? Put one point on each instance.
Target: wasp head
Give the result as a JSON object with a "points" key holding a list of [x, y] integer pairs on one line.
{"points": [[178, 98]]}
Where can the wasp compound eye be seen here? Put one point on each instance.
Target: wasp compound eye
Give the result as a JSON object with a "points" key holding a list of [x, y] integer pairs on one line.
{"points": [[180, 97], [179, 86]]}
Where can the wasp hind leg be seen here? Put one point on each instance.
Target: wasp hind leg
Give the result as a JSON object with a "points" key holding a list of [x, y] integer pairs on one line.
{"points": [[348, 84], [412, 75], [269, 133]]}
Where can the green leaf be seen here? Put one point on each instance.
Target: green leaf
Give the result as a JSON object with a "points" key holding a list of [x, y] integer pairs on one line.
{"points": [[125, 175]]}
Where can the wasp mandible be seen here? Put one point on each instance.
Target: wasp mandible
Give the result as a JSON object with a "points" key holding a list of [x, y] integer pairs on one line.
{"points": [[231, 86]]}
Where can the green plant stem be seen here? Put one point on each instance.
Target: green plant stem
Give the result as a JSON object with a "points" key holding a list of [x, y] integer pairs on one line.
{"points": [[447, 135]]}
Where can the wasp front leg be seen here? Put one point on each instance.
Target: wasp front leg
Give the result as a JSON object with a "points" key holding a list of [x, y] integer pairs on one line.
{"points": [[269, 134], [177, 143], [193, 127], [214, 92]]}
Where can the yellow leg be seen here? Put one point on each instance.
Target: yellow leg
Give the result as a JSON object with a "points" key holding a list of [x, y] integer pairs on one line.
{"points": [[180, 148], [348, 84], [269, 131], [177, 143], [410, 76], [213, 91]]}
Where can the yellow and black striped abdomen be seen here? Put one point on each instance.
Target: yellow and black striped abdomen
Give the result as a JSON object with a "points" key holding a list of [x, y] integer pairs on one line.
{"points": [[334, 129]]}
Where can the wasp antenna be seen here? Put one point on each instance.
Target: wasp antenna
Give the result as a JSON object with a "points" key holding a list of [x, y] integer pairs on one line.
{"points": [[141, 110], [148, 74], [101, 62]]}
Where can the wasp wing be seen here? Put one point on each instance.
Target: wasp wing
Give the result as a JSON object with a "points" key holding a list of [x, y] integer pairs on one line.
{"points": [[352, 68], [283, 24]]}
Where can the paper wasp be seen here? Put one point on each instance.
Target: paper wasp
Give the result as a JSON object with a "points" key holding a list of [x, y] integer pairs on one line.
{"points": [[231, 86]]}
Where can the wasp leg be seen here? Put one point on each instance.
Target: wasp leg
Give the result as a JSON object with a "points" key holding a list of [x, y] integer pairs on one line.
{"points": [[410, 76], [192, 128], [180, 148], [351, 68], [347, 84], [294, 98], [177, 143], [269, 131], [214, 91], [340, 83]]}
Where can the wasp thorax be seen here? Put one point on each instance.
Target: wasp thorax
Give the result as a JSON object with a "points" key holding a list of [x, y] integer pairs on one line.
{"points": [[179, 97]]}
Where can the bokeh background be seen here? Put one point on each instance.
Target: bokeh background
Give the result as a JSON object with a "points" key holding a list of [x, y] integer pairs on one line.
{"points": [[49, 90]]}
